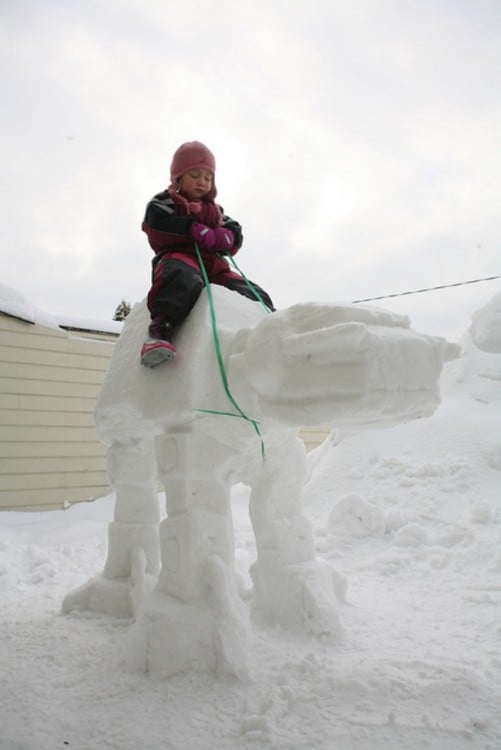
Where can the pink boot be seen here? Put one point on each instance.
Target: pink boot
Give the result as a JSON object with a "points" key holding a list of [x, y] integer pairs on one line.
{"points": [[156, 351], [158, 348]]}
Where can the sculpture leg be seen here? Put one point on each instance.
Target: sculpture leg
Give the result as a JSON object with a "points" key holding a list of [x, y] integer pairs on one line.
{"points": [[291, 586], [133, 561], [198, 524], [194, 619]]}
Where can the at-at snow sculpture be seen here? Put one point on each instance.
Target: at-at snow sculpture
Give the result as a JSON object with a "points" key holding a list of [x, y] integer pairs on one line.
{"points": [[308, 364]]}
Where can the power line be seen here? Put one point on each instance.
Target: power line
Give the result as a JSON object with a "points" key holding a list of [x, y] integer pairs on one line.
{"points": [[428, 289]]}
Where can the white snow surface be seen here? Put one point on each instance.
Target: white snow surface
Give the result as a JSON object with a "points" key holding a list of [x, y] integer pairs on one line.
{"points": [[14, 303], [410, 515]]}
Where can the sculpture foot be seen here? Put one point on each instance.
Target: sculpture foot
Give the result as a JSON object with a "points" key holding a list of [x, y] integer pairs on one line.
{"points": [[205, 635], [118, 597], [300, 596]]}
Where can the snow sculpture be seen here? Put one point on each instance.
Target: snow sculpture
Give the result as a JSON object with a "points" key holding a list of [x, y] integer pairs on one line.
{"points": [[309, 364]]}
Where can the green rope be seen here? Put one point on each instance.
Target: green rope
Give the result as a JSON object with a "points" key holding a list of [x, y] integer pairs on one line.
{"points": [[219, 356], [225, 414], [249, 284]]}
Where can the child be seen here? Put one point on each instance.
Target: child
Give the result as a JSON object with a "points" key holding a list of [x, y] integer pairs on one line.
{"points": [[175, 220]]}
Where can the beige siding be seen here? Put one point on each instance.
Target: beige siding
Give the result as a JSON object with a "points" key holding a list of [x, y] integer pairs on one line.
{"points": [[49, 382], [313, 436]]}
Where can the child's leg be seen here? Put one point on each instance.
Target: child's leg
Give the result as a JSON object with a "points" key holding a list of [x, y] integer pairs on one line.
{"points": [[240, 285], [175, 289], [176, 286]]}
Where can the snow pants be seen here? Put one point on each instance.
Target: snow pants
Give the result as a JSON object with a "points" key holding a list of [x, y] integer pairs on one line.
{"points": [[177, 283]]}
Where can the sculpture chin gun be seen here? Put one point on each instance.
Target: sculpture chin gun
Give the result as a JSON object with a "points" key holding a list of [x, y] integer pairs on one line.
{"points": [[181, 427]]}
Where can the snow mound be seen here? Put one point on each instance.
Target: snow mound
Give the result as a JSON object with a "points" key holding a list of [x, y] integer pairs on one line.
{"points": [[486, 326]]}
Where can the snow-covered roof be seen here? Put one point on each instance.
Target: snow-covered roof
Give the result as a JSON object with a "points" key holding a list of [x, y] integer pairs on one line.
{"points": [[16, 305]]}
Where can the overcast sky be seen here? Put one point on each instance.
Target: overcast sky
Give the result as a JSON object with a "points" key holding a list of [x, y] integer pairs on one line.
{"points": [[358, 143]]}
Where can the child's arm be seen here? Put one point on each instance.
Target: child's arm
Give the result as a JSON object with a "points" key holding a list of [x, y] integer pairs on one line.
{"points": [[163, 227], [234, 226], [161, 216]]}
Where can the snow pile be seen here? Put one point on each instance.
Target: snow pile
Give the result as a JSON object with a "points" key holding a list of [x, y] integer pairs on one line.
{"points": [[486, 326], [483, 342]]}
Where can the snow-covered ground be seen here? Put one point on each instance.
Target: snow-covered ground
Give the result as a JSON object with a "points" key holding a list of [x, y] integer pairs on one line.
{"points": [[410, 515]]}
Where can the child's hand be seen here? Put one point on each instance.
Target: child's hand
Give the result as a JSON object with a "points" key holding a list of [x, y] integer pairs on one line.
{"points": [[225, 239], [204, 236]]}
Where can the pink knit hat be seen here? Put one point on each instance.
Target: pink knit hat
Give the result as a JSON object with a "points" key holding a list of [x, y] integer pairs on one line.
{"points": [[193, 155]]}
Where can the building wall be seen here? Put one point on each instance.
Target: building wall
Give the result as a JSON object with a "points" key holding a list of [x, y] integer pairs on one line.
{"points": [[50, 454]]}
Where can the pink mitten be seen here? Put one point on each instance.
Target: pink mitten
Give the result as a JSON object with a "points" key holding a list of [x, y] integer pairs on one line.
{"points": [[225, 239], [204, 236]]}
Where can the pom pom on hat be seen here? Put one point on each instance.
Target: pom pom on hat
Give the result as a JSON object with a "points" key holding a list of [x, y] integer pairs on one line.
{"points": [[193, 155]]}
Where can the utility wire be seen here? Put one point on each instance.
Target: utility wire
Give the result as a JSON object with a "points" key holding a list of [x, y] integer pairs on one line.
{"points": [[428, 289]]}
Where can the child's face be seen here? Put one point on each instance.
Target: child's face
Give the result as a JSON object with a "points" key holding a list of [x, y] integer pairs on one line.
{"points": [[195, 183]]}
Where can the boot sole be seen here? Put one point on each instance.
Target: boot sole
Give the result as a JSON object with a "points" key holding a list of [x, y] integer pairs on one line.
{"points": [[155, 357]]}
